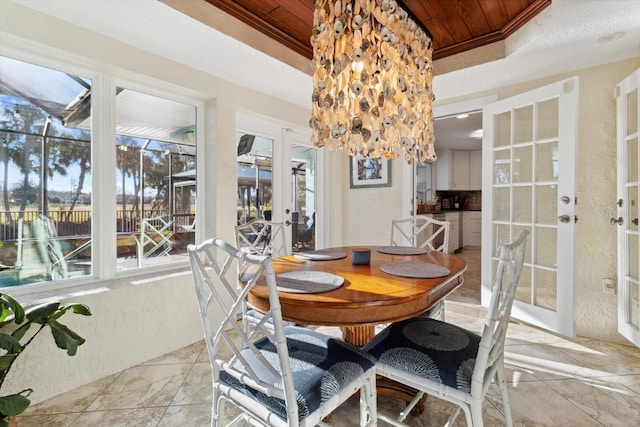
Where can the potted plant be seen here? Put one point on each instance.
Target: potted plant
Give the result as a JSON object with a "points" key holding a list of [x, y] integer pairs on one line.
{"points": [[15, 322]]}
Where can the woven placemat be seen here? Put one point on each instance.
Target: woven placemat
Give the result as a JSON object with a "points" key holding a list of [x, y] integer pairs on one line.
{"points": [[402, 250], [308, 282], [320, 255], [415, 269]]}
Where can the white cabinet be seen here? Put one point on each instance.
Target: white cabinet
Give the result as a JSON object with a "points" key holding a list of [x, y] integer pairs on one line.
{"points": [[454, 230], [471, 228], [475, 170], [459, 170]]}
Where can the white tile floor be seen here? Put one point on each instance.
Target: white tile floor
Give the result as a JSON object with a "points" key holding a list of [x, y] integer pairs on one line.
{"points": [[554, 381]]}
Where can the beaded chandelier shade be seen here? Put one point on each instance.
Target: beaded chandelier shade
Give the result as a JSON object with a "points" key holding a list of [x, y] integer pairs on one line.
{"points": [[372, 80]]}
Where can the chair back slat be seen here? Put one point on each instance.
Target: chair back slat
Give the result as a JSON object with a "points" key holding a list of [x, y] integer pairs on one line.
{"points": [[262, 237], [230, 345], [421, 232], [509, 268]]}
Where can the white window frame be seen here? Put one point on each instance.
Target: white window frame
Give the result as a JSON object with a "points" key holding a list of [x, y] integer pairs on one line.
{"points": [[103, 165]]}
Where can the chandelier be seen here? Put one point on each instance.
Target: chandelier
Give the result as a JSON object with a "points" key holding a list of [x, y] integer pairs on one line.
{"points": [[372, 80]]}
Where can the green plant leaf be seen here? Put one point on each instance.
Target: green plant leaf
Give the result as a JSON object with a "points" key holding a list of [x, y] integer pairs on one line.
{"points": [[40, 313], [19, 333], [13, 404], [5, 361], [9, 343], [65, 338], [80, 309], [12, 306]]}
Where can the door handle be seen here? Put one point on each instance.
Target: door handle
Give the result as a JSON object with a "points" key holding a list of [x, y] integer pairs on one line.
{"points": [[615, 221], [287, 223], [565, 200], [564, 219], [635, 221]]}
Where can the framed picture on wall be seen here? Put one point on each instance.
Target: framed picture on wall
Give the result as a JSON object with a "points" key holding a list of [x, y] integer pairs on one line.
{"points": [[367, 172]]}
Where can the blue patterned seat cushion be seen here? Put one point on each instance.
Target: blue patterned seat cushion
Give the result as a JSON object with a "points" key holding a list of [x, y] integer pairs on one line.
{"points": [[429, 348], [321, 367]]}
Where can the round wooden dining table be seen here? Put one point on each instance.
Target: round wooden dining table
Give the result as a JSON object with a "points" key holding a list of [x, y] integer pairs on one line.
{"points": [[368, 296]]}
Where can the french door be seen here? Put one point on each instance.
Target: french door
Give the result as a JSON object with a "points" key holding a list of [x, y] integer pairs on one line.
{"points": [[529, 183], [628, 112], [277, 180]]}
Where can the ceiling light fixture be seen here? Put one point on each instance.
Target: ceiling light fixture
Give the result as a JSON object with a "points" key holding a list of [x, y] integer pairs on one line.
{"points": [[462, 116], [372, 80]]}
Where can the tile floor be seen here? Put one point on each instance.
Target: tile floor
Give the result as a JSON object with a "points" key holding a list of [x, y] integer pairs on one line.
{"points": [[554, 381]]}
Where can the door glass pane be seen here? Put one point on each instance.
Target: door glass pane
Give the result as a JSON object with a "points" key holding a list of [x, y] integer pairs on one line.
{"points": [[546, 209], [502, 168], [545, 291], [632, 114], [523, 126], [548, 119], [633, 160], [155, 155], [633, 255], [634, 304], [523, 291], [546, 246], [502, 129], [522, 164], [522, 204], [501, 211], [255, 154], [303, 207], [547, 161], [632, 206]]}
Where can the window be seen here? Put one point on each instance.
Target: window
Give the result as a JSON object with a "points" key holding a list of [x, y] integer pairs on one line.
{"points": [[46, 195]]}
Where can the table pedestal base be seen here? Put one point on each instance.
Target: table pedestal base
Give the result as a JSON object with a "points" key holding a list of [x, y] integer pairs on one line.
{"points": [[358, 335]]}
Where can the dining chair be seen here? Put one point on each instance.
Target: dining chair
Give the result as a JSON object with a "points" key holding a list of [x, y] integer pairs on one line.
{"points": [[427, 233], [262, 237], [277, 376], [450, 362], [421, 232]]}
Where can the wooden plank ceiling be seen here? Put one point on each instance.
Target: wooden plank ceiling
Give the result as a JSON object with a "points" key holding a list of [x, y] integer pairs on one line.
{"points": [[455, 25]]}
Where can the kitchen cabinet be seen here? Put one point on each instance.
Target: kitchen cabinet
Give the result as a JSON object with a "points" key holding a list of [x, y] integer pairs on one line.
{"points": [[459, 170], [471, 228], [475, 170]]}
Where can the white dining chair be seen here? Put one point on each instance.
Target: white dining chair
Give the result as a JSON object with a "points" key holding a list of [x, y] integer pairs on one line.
{"points": [[262, 237], [421, 232], [277, 376], [450, 362], [427, 233]]}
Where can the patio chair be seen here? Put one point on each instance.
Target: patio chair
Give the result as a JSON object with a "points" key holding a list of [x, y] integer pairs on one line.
{"points": [[277, 376], [427, 233], [450, 362]]}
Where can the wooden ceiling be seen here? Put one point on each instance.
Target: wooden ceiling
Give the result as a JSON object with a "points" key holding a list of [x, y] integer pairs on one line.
{"points": [[455, 25]]}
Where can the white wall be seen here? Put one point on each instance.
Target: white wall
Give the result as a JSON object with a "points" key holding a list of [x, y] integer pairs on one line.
{"points": [[140, 318]]}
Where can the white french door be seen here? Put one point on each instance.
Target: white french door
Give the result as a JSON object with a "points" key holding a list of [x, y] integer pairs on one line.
{"points": [[277, 171], [628, 112], [529, 183]]}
